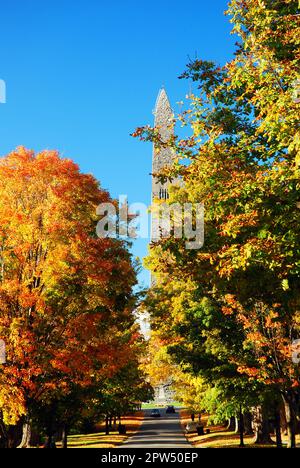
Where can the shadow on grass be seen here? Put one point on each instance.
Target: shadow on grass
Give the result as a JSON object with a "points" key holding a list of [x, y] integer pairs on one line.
{"points": [[219, 437], [101, 440]]}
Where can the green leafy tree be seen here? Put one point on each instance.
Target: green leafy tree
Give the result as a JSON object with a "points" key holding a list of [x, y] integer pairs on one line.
{"points": [[242, 161]]}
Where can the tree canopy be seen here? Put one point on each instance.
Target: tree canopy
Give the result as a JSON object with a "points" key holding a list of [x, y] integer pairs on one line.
{"points": [[229, 312]]}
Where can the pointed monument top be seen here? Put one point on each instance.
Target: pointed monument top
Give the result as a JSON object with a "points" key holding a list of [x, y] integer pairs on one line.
{"points": [[162, 100], [162, 111]]}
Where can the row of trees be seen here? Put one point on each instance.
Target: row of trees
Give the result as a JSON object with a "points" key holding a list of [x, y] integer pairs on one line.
{"points": [[224, 317], [66, 303]]}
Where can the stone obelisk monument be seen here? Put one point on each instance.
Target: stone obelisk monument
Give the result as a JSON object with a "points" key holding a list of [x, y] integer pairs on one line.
{"points": [[162, 157]]}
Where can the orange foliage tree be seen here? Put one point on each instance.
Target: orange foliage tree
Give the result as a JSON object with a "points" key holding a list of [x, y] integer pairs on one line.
{"points": [[65, 294]]}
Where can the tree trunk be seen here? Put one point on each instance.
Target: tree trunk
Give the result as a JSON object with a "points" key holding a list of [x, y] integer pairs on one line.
{"points": [[14, 434], [241, 428], [26, 433], [107, 425], [277, 428], [231, 424], [248, 423], [3, 435], [237, 425], [261, 426], [64, 437], [290, 420]]}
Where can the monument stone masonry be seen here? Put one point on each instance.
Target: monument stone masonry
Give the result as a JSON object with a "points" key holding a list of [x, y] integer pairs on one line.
{"points": [[162, 157]]}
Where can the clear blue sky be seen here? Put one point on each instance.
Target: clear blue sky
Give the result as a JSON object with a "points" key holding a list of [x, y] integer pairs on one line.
{"points": [[82, 74]]}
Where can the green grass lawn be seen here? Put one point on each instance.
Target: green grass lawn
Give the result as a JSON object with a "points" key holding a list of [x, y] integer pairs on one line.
{"points": [[153, 405], [221, 438], [101, 440]]}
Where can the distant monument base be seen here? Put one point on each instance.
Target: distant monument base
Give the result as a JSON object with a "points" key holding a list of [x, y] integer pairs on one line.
{"points": [[163, 395]]}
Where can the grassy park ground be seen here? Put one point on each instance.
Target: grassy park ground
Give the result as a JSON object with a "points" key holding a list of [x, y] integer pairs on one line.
{"points": [[101, 440], [219, 437], [152, 405]]}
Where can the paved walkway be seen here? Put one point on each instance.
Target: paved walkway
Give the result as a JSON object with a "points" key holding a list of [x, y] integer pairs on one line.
{"points": [[163, 432]]}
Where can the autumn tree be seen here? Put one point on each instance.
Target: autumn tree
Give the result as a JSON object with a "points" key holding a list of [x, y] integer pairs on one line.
{"points": [[242, 161], [66, 295]]}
